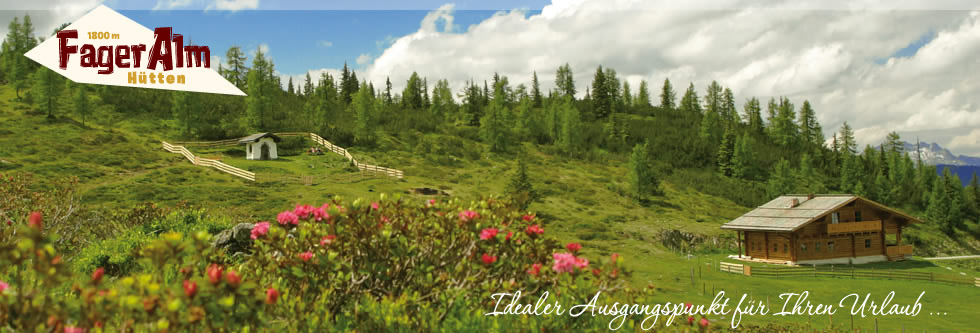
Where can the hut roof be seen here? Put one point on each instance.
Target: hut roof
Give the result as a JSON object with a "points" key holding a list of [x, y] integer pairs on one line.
{"points": [[258, 136], [781, 215]]}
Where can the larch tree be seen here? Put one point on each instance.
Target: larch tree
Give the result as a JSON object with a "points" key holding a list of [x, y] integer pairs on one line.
{"points": [[668, 96], [753, 113], [565, 81], [536, 98], [848, 145], [642, 179], [690, 102], [642, 95], [80, 103], [235, 70]]}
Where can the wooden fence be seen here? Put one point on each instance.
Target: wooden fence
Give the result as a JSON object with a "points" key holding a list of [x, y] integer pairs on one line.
{"points": [[847, 272], [308, 180], [360, 166], [209, 162]]}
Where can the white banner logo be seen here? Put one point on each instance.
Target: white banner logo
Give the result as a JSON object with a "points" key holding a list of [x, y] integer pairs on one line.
{"points": [[105, 47]]}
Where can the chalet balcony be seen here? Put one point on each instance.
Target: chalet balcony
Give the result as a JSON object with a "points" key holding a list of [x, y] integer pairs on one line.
{"points": [[854, 227]]}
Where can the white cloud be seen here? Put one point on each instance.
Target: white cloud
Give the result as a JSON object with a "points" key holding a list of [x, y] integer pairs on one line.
{"points": [[172, 4], [324, 43], [363, 58], [830, 58], [969, 142], [264, 48], [233, 5]]}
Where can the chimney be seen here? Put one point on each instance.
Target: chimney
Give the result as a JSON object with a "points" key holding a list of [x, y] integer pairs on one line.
{"points": [[794, 202]]}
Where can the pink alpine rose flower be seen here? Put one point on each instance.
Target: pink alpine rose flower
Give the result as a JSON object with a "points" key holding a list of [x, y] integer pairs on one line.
{"points": [[534, 230], [97, 275], [260, 229], [320, 214], [509, 235], [35, 220], [703, 322], [573, 247], [489, 259], [527, 218], [73, 329], [488, 233], [288, 217], [306, 256], [303, 211], [535, 269], [468, 215], [327, 240], [3, 286], [375, 205], [564, 262], [271, 296], [432, 202]]}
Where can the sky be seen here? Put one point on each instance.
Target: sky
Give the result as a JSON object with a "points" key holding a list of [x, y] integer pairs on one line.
{"points": [[905, 66]]}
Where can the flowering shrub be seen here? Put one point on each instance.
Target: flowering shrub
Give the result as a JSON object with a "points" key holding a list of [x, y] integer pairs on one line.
{"points": [[391, 264]]}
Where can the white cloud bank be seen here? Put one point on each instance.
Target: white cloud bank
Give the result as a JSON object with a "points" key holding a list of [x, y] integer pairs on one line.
{"points": [[839, 60]]}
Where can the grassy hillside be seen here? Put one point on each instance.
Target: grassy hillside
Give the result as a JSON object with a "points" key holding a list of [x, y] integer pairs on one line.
{"points": [[120, 163]]}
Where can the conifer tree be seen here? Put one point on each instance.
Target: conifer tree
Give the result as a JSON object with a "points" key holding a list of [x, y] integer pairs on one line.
{"points": [[782, 180], [520, 188], [668, 97], [365, 116], [261, 89], [80, 103], [536, 98], [48, 87], [847, 143], [565, 81], [236, 72], [387, 96], [725, 154], [893, 142], [184, 109], [308, 85], [627, 97], [690, 102], [643, 181], [753, 113], [289, 87], [810, 131], [729, 114], [642, 95], [743, 158], [569, 137]]}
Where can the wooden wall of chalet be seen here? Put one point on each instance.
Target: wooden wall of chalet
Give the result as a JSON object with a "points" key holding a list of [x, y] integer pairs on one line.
{"points": [[814, 238]]}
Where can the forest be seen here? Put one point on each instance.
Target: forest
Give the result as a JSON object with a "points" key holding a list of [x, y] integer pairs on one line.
{"points": [[774, 146], [688, 136]]}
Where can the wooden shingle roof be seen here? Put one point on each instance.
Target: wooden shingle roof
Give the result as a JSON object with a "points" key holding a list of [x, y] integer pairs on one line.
{"points": [[258, 136], [780, 215]]}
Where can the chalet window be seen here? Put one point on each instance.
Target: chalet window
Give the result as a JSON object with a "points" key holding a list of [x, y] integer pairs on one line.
{"points": [[785, 248], [802, 247], [857, 216], [867, 243], [816, 246], [835, 218], [830, 247], [775, 247]]}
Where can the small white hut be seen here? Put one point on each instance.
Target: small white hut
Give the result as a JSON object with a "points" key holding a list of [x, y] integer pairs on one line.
{"points": [[260, 146]]}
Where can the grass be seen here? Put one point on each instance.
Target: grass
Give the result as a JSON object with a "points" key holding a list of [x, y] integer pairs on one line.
{"points": [[582, 202]]}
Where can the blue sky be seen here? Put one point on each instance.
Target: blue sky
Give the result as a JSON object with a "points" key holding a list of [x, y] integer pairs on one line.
{"points": [[299, 40]]}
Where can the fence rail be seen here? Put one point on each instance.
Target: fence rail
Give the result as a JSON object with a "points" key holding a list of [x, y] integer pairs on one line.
{"points": [[846, 273], [208, 162], [308, 180], [360, 166]]}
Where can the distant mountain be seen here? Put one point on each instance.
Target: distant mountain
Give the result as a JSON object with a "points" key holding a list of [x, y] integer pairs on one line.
{"points": [[964, 172], [934, 154]]}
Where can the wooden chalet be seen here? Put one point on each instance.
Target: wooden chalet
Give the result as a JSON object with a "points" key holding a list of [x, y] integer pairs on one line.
{"points": [[822, 229]]}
